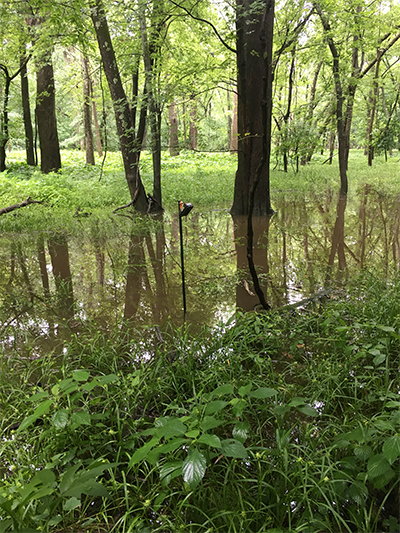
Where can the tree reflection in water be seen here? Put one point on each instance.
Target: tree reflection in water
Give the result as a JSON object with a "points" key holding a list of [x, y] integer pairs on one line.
{"points": [[50, 280]]}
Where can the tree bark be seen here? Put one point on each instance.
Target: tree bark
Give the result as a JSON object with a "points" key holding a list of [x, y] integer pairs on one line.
{"points": [[373, 102], [173, 131], [50, 159], [255, 76], [26, 112], [193, 123], [123, 117], [87, 110]]}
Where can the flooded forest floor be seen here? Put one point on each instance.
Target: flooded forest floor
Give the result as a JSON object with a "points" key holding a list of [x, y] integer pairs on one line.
{"points": [[119, 415]]}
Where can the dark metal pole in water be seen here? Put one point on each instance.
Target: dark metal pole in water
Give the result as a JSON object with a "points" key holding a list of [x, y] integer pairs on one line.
{"points": [[184, 210]]}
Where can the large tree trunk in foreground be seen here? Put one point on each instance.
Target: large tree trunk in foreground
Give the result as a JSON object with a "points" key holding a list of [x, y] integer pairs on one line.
{"points": [[50, 159], [26, 112], [255, 74], [123, 117]]}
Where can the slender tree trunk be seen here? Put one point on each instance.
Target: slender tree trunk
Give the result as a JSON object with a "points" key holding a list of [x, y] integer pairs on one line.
{"points": [[286, 116], [310, 111], [154, 114], [50, 159], [173, 130], [87, 110], [193, 123], [123, 117], [26, 112], [373, 102]]}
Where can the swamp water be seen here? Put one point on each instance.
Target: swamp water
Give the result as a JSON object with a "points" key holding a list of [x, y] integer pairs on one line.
{"points": [[51, 280]]}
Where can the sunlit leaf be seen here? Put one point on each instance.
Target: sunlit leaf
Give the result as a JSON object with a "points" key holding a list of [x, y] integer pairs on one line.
{"points": [[240, 431], [60, 419], [223, 389], [215, 406], [81, 375], [263, 392], [71, 504], [210, 440], [194, 468]]}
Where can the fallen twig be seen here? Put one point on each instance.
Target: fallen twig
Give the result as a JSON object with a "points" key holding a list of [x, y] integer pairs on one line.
{"points": [[26, 202]]}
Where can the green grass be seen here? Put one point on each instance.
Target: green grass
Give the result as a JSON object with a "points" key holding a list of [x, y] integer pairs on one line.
{"points": [[284, 422]]}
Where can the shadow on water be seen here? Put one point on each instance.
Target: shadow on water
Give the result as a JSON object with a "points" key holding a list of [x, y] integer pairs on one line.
{"points": [[51, 284]]}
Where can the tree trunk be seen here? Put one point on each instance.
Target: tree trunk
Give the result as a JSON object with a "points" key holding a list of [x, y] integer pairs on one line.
{"points": [[154, 114], [173, 131], [99, 148], [286, 116], [255, 76], [123, 117], [50, 159], [26, 112], [193, 123], [373, 101], [234, 134], [87, 110]]}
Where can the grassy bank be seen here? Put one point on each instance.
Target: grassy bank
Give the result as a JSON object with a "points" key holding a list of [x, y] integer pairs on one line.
{"points": [[272, 423]]}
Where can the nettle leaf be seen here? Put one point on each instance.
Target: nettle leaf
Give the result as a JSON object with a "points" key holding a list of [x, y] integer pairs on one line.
{"points": [[80, 375], [210, 440], [240, 431], [170, 427], [223, 389], [362, 451], [71, 504], [379, 359], [245, 389], [308, 410], [377, 466], [194, 468], [233, 448], [81, 418], [60, 419], [391, 448], [209, 422], [215, 406], [263, 392]]}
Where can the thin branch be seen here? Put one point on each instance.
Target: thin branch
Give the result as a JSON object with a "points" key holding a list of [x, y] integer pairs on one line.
{"points": [[205, 22]]}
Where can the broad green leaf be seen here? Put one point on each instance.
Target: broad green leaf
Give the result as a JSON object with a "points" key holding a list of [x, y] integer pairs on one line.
{"points": [[377, 465], [142, 452], [391, 448], [210, 440], [240, 431], [245, 389], [263, 392], [307, 410], [379, 359], [81, 418], [194, 468], [215, 406], [233, 448], [223, 389], [381, 481], [192, 434], [171, 427], [238, 406], [68, 477], [296, 402], [71, 504], [60, 419], [81, 375], [90, 385], [209, 422], [362, 451], [388, 329], [40, 410], [392, 403]]}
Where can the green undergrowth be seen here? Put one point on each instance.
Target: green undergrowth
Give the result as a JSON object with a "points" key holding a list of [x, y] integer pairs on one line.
{"points": [[206, 180], [280, 422]]}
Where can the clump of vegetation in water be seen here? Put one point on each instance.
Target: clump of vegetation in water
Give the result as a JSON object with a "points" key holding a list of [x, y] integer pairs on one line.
{"points": [[280, 422]]}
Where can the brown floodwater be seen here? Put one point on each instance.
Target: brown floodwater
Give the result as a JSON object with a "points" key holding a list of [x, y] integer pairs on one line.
{"points": [[52, 279]]}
